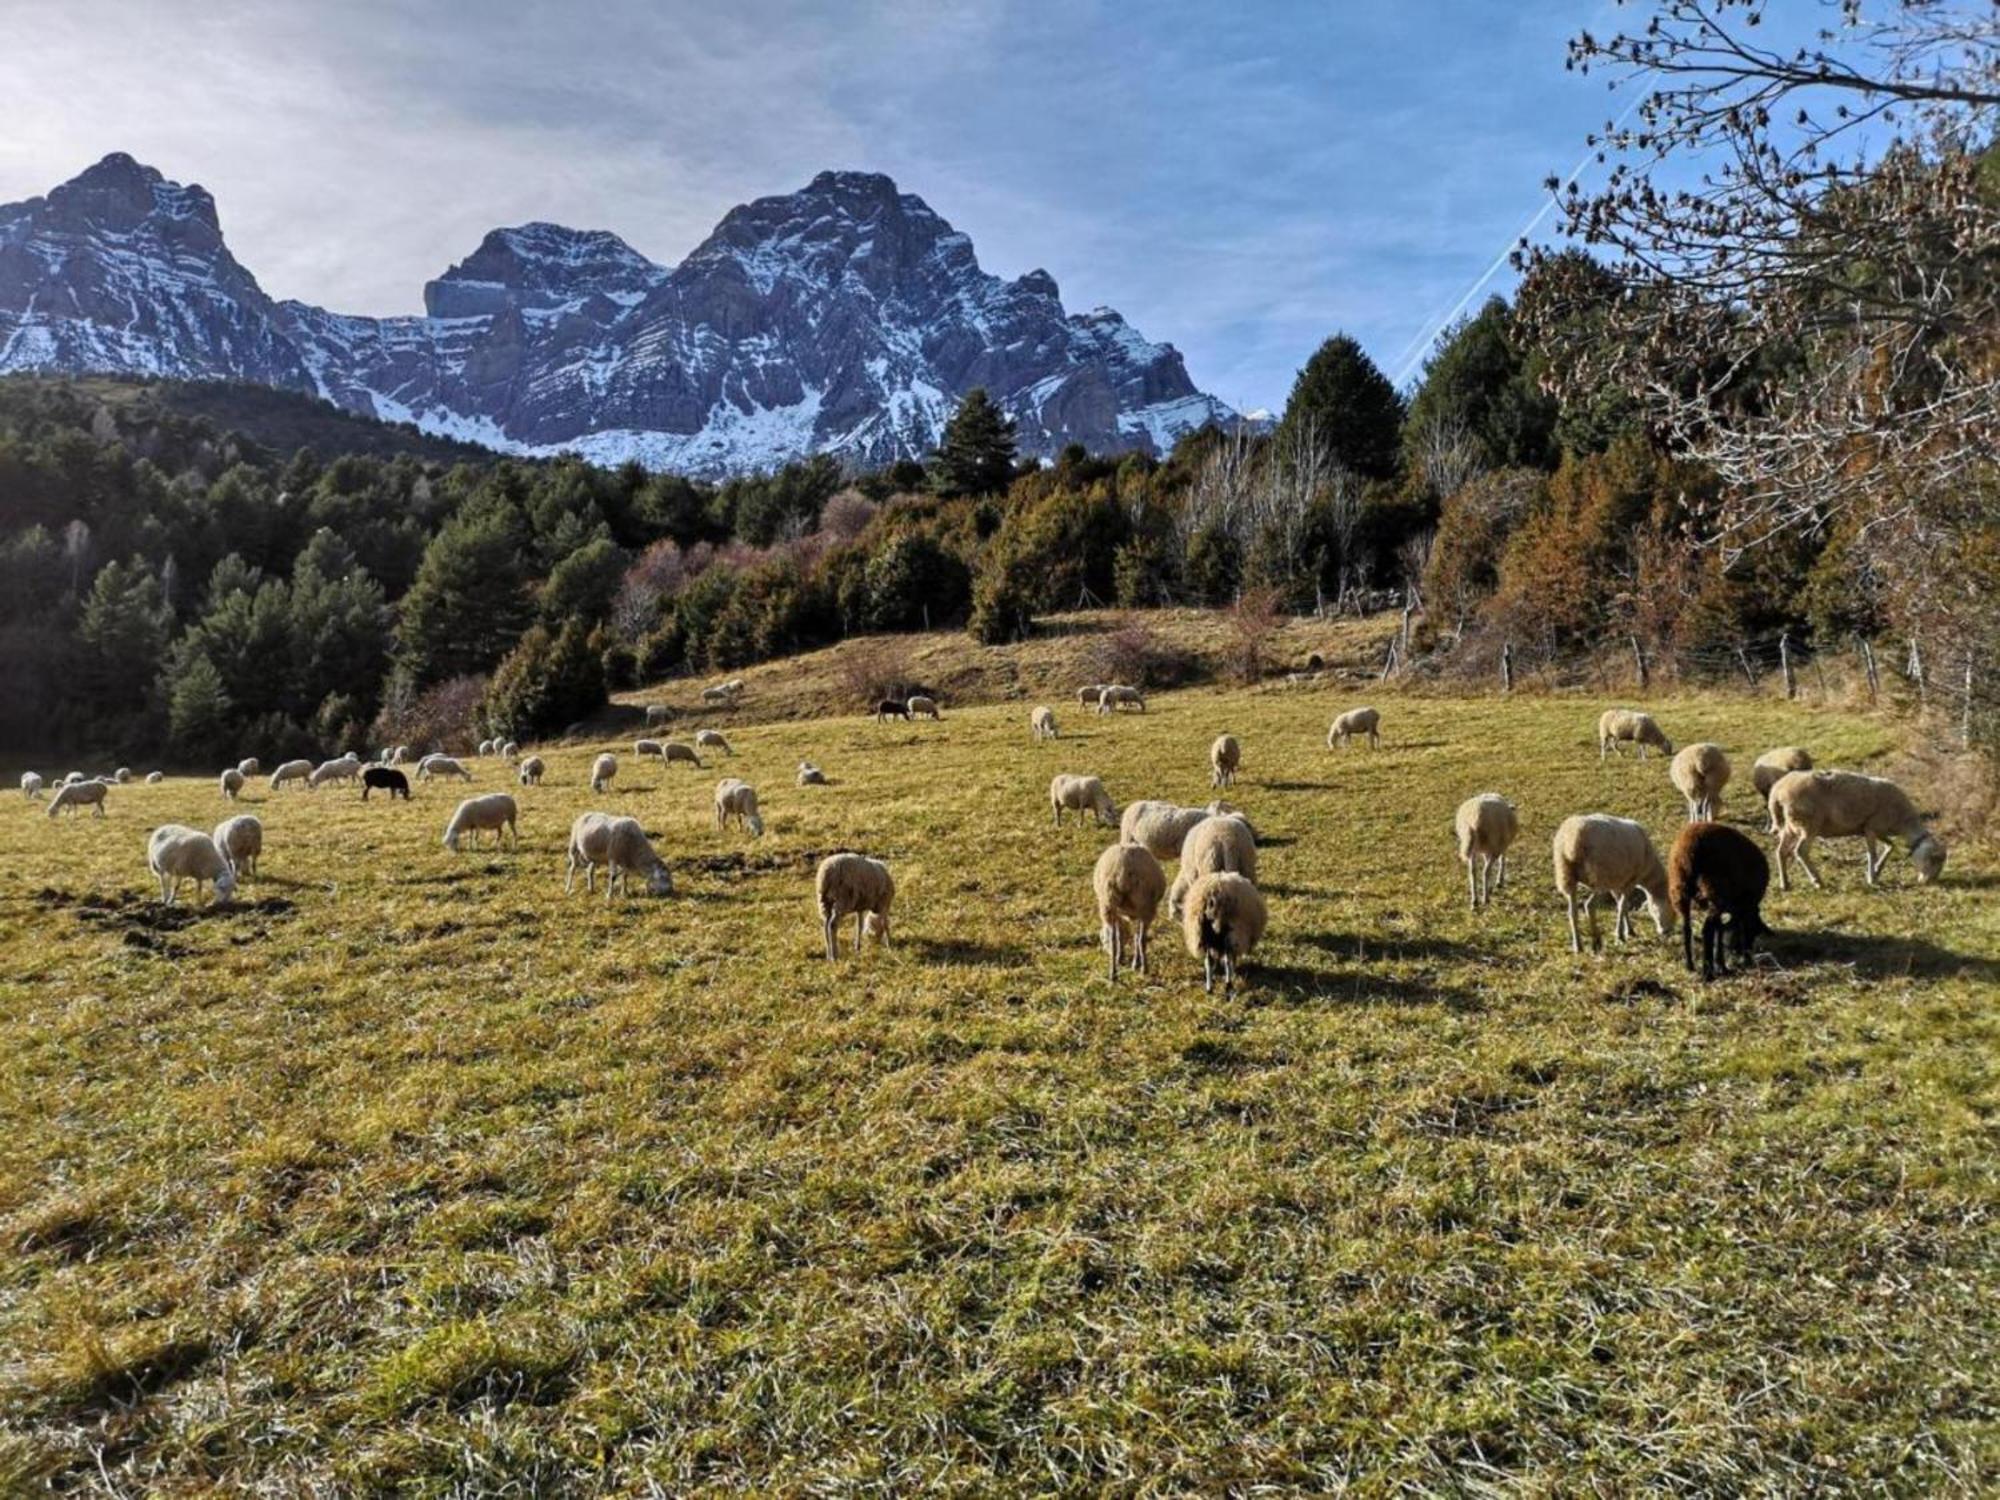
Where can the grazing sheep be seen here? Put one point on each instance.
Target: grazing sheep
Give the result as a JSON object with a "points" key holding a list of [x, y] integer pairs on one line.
{"points": [[241, 840], [154, 778], [1612, 857], [890, 708], [733, 687], [854, 883], [485, 748], [602, 770], [437, 767], [1845, 804], [399, 755], [738, 800], [175, 853], [510, 752], [1042, 724], [712, 739], [658, 713], [389, 779], [677, 752], [1355, 721], [1221, 842], [811, 775], [122, 775], [1088, 695], [72, 795], [621, 846], [1224, 756], [530, 772], [31, 785], [1617, 725], [291, 770], [345, 768], [1115, 697], [1129, 882], [251, 766], [641, 749], [716, 694], [1224, 918], [1080, 795], [232, 782], [73, 778], [1162, 827], [1487, 826], [1699, 773], [1772, 765], [920, 706], [488, 814], [1713, 865]]}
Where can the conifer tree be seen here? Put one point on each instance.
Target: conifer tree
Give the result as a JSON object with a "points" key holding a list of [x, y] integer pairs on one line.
{"points": [[975, 456], [1353, 410]]}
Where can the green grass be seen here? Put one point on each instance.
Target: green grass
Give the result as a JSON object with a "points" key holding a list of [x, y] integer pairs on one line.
{"points": [[406, 1172]]}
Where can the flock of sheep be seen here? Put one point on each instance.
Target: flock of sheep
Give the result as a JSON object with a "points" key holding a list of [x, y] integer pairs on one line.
{"points": [[1711, 867]]}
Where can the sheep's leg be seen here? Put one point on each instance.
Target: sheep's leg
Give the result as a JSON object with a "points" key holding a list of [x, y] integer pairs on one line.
{"points": [[166, 890], [1228, 975], [1499, 872], [1712, 955], [1575, 938], [1471, 883], [1143, 943], [1800, 848], [828, 921], [1876, 862], [1114, 934], [860, 927], [1208, 973], [1687, 938]]}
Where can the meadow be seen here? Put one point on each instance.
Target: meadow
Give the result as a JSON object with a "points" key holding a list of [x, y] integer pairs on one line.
{"points": [[406, 1172]]}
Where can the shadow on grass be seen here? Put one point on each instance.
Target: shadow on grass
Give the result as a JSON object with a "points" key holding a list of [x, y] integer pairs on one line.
{"points": [[1298, 786], [1287, 984], [1374, 947], [964, 951], [1876, 956]]}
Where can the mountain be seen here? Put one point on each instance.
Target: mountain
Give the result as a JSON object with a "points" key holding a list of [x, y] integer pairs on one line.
{"points": [[846, 318]]}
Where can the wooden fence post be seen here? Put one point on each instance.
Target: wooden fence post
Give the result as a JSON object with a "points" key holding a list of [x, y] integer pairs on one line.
{"points": [[1785, 664], [1639, 656], [1749, 675], [1389, 661], [1506, 666], [1874, 682]]}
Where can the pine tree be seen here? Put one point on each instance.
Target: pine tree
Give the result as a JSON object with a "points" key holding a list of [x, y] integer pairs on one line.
{"points": [[1355, 414], [468, 601], [198, 709], [976, 454], [122, 633]]}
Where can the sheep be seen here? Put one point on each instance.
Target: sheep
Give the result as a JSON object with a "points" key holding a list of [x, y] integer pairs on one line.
{"points": [[510, 752], [1224, 918], [733, 687], [154, 778], [491, 813], [854, 883], [250, 766], [399, 755], [1772, 765], [678, 752], [811, 775], [531, 769], [241, 840], [1088, 695], [1129, 882], [1616, 725], [738, 800], [1613, 857], [1713, 865], [602, 770], [78, 794], [1487, 826], [1699, 773], [346, 768], [1042, 723], [920, 706], [1224, 756], [1355, 721], [1115, 697], [231, 782], [1162, 827], [657, 713], [1219, 843], [291, 770], [716, 694], [1845, 804], [1080, 795], [437, 767], [712, 739], [175, 853], [891, 708], [394, 782], [122, 775], [485, 748], [73, 778], [641, 749], [31, 785], [621, 846]]}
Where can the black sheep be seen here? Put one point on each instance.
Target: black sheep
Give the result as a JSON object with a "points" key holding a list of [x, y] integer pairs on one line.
{"points": [[397, 783], [890, 708], [1714, 866]]}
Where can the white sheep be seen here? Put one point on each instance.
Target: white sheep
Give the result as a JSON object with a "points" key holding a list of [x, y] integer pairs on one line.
{"points": [[1770, 767], [154, 778], [716, 694], [738, 800], [31, 785], [675, 752], [73, 795], [712, 739], [231, 782], [1487, 826], [122, 775], [345, 768], [1846, 804], [1115, 697], [811, 775], [1611, 857], [1042, 724], [437, 767], [241, 840], [602, 770], [485, 748], [251, 766], [1080, 795], [1355, 721], [291, 770], [1224, 756], [1224, 919], [1128, 882], [1617, 725], [175, 853], [73, 778], [492, 813], [854, 883], [510, 752], [621, 846], [1162, 827], [1220, 843], [1699, 773], [733, 687], [657, 713], [921, 706], [531, 769], [1088, 695], [644, 749]]}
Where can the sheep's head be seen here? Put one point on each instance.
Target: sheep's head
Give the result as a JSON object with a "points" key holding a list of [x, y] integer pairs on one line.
{"points": [[225, 885], [876, 925], [659, 881], [1927, 854]]}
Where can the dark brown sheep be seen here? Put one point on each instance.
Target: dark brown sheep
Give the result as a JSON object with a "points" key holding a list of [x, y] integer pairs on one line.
{"points": [[1714, 866], [889, 708]]}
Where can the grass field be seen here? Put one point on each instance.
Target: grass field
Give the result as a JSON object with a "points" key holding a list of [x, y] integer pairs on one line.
{"points": [[406, 1172]]}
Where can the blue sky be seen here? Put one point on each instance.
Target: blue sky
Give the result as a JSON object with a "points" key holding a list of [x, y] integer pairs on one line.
{"points": [[1240, 180]]}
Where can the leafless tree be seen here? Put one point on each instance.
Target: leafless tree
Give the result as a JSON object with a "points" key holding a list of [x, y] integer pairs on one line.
{"points": [[1447, 454]]}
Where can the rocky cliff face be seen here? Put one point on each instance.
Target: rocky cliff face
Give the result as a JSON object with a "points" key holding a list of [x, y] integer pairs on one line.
{"points": [[845, 318]]}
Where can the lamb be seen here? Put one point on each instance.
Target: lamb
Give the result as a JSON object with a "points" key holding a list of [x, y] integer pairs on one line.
{"points": [[712, 739], [531, 771], [249, 766], [676, 752], [1772, 765], [1616, 725], [1087, 696], [854, 883], [1220, 843], [738, 800], [1162, 827], [291, 770], [643, 748], [621, 846], [73, 795], [1699, 773], [920, 706], [1487, 826], [345, 768], [811, 775], [890, 708], [232, 782], [1613, 857], [1224, 918], [488, 814], [1713, 865], [1845, 804], [1115, 697], [602, 770], [398, 755], [1080, 795], [31, 785], [1042, 723], [1129, 882], [154, 778], [175, 853], [241, 840], [394, 782], [1355, 721], [437, 767], [1224, 756]]}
